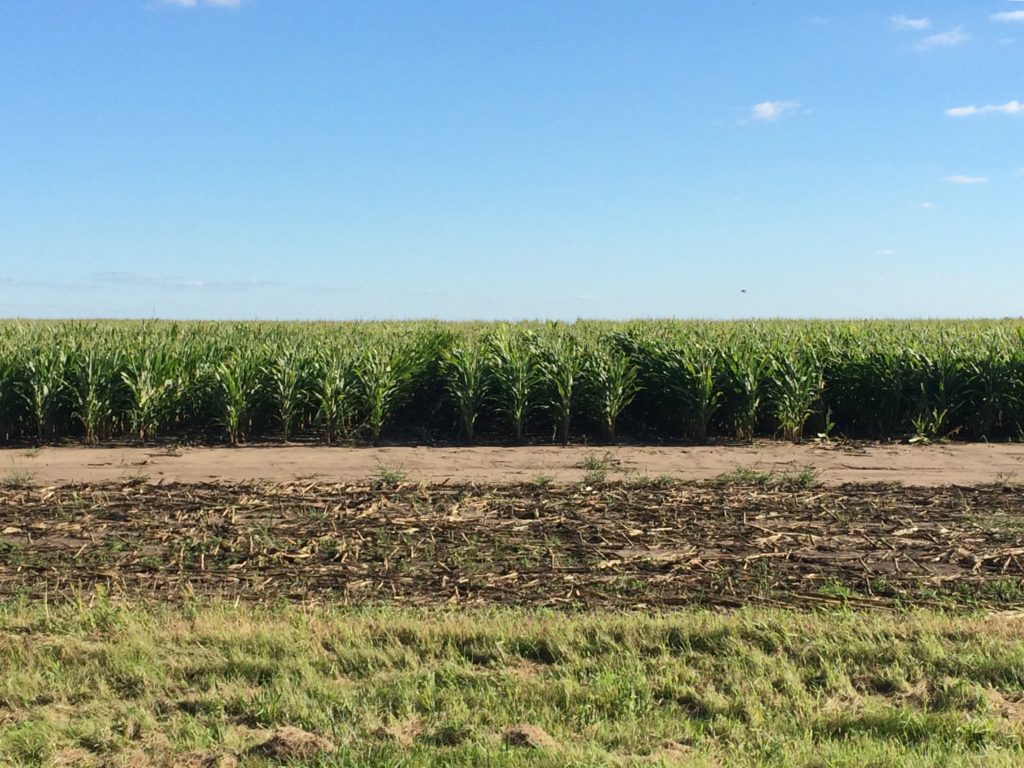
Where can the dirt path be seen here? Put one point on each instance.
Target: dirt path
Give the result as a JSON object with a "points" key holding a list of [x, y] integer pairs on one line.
{"points": [[958, 464]]}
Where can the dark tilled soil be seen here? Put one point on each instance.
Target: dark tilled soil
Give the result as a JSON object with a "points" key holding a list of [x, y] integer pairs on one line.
{"points": [[611, 545]]}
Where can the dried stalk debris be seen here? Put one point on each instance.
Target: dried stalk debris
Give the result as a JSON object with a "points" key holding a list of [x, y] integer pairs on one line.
{"points": [[612, 545]]}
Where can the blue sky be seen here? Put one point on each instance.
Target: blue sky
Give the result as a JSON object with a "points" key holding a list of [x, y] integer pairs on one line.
{"points": [[463, 159]]}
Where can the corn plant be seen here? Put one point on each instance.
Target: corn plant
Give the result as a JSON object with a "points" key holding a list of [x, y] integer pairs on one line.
{"points": [[464, 370], [892, 373], [154, 382], [686, 376], [745, 370], [515, 374], [875, 379], [333, 393], [929, 426], [705, 390], [238, 379], [44, 387], [285, 389], [561, 366], [94, 379], [613, 383], [385, 373], [8, 389], [991, 394], [940, 380], [798, 385]]}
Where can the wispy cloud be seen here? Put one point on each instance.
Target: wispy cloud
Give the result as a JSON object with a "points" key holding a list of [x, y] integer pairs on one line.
{"points": [[172, 282], [14, 282], [1007, 16], [885, 252], [949, 39], [771, 110], [198, 3], [903, 22], [926, 206], [1009, 108], [140, 279], [961, 179]]}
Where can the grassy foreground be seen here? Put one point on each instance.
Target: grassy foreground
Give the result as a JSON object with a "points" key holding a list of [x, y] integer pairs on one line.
{"points": [[200, 685]]}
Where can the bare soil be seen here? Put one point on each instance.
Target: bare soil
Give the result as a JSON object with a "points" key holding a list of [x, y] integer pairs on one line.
{"points": [[619, 545], [965, 464]]}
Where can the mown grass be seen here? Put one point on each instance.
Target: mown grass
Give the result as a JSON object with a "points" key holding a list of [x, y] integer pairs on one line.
{"points": [[114, 684]]}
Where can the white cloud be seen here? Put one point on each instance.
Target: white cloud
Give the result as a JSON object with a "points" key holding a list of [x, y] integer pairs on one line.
{"points": [[773, 110], [961, 179], [197, 3], [902, 22], [950, 39], [885, 252], [1008, 16], [1009, 108], [926, 206]]}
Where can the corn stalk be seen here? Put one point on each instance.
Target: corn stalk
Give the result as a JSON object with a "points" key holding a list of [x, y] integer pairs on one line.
{"points": [[334, 392], [238, 380], [515, 374], [745, 372], [385, 374], [798, 385], [94, 389], [44, 387], [613, 385], [154, 383], [464, 370], [285, 389]]}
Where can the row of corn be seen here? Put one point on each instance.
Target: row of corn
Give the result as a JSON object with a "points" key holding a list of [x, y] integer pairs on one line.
{"points": [[646, 380]]}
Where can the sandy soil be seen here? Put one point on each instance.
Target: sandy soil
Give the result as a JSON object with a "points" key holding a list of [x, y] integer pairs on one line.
{"points": [[957, 464]]}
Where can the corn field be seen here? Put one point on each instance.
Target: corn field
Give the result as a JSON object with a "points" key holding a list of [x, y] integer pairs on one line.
{"points": [[97, 382]]}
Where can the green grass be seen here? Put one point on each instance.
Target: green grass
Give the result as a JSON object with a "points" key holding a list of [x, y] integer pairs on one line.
{"points": [[17, 478], [597, 468], [388, 476], [752, 687], [595, 463], [796, 480]]}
